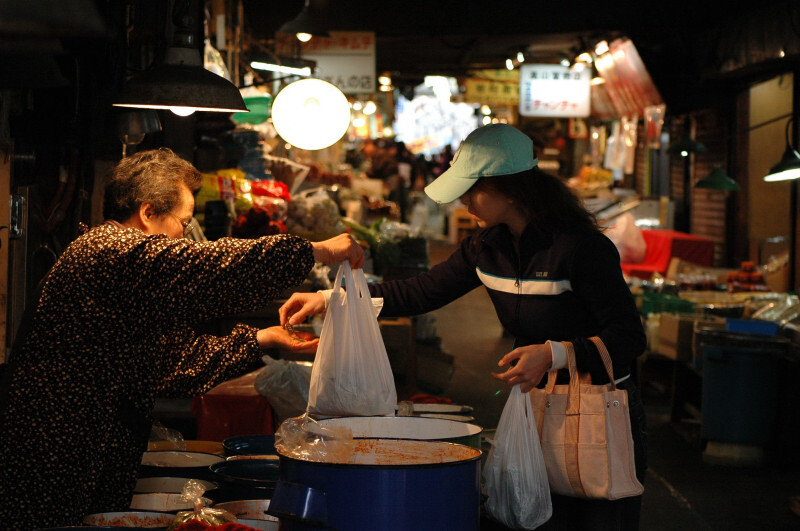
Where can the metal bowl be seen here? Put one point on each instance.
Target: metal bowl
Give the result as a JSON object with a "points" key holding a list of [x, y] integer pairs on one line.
{"points": [[249, 445], [175, 463]]}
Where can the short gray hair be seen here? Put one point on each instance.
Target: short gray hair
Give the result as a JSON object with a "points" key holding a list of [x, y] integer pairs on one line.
{"points": [[152, 176]]}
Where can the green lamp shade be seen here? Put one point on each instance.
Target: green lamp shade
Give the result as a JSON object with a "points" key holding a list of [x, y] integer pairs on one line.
{"points": [[787, 169], [717, 180], [259, 110]]}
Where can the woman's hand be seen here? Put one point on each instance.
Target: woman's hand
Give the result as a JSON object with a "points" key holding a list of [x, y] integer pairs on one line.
{"points": [[342, 247], [278, 337], [533, 362], [299, 306]]}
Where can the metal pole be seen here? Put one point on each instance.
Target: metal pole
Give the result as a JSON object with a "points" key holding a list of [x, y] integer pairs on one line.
{"points": [[793, 233]]}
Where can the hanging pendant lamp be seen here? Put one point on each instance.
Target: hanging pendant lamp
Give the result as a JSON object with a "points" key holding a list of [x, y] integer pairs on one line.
{"points": [[305, 25], [718, 180], [311, 114], [789, 166], [181, 83], [686, 144]]}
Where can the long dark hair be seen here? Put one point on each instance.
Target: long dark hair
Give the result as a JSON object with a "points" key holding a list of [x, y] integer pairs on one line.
{"points": [[547, 200]]}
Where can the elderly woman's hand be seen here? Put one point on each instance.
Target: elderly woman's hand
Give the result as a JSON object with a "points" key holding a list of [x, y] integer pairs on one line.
{"points": [[278, 337], [533, 362], [337, 249]]}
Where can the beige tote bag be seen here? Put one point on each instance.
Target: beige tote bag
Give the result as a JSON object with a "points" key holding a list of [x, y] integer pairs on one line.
{"points": [[585, 431]]}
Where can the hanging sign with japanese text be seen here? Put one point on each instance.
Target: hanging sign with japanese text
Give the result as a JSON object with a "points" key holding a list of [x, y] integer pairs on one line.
{"points": [[552, 90], [345, 59], [493, 87]]}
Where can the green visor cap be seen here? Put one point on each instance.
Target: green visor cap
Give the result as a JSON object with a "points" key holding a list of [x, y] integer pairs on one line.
{"points": [[497, 149]]}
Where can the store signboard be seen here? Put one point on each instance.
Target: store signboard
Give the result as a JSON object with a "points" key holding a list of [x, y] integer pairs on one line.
{"points": [[345, 59], [493, 87], [551, 90]]}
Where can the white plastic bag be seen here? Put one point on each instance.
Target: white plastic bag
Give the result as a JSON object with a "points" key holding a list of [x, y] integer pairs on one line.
{"points": [[351, 373], [285, 384], [515, 478]]}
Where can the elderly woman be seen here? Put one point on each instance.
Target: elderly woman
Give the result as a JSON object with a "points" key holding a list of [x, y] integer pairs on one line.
{"points": [[113, 330]]}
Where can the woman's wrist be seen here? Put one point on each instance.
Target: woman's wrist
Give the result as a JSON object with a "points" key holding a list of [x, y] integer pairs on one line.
{"points": [[559, 354]]}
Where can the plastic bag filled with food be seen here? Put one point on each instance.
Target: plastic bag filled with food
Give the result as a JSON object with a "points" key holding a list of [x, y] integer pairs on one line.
{"points": [[193, 492]]}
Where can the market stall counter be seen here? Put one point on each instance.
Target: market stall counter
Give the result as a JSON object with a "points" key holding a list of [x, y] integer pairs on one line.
{"points": [[233, 408], [663, 245]]}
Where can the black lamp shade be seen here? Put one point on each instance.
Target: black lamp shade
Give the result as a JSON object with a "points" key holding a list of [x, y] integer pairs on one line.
{"points": [[718, 180], [304, 23], [181, 85], [787, 169], [686, 144]]}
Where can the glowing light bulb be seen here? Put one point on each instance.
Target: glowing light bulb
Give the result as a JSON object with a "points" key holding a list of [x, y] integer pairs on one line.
{"points": [[303, 37], [182, 111], [311, 114], [370, 108]]}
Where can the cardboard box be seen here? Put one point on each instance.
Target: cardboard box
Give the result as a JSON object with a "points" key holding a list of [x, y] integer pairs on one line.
{"points": [[676, 333]]}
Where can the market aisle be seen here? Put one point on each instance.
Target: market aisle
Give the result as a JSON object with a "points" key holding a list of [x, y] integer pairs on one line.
{"points": [[471, 333]]}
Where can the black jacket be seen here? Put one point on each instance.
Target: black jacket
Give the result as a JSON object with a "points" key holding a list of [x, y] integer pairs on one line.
{"points": [[562, 287]]}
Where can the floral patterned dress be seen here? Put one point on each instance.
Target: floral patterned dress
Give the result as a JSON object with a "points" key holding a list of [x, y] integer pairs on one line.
{"points": [[111, 333]]}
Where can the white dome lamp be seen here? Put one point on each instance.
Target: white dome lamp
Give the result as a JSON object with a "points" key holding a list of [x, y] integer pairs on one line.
{"points": [[311, 114]]}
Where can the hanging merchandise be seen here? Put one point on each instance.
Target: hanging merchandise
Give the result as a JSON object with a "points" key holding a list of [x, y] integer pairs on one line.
{"points": [[629, 137], [654, 121], [615, 154], [597, 144], [213, 61], [351, 375]]}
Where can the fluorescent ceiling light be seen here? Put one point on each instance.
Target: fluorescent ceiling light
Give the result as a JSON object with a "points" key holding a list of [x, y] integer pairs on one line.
{"points": [[290, 70]]}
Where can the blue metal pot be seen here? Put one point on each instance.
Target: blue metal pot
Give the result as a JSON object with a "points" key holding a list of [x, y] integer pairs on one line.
{"points": [[385, 484]]}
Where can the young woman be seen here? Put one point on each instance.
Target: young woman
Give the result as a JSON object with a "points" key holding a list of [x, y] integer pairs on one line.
{"points": [[113, 330], [551, 275]]}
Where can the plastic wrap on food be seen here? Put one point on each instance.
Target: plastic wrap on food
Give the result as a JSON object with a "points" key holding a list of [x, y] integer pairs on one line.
{"points": [[304, 438], [780, 311], [158, 433], [193, 492]]}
